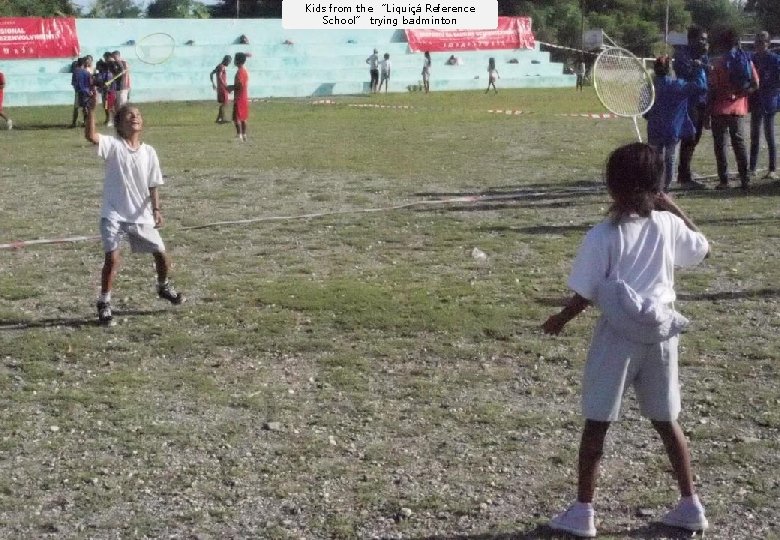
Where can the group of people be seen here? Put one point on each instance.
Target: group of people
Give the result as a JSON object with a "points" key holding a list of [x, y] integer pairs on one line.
{"points": [[379, 71], [107, 82], [239, 89], [721, 93]]}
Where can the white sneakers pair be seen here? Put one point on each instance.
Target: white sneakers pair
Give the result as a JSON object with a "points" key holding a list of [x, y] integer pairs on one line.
{"points": [[10, 125], [580, 518]]}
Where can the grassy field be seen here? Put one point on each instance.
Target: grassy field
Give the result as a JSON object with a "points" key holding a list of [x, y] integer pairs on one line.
{"points": [[358, 373]]}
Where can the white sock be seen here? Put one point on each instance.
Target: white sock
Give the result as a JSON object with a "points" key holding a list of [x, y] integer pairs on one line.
{"points": [[693, 499], [582, 506], [105, 297]]}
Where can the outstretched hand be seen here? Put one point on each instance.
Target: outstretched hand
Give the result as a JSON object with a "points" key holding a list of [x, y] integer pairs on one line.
{"points": [[554, 324]]}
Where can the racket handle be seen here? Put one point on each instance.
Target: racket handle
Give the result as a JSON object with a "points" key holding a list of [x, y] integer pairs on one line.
{"points": [[636, 127]]}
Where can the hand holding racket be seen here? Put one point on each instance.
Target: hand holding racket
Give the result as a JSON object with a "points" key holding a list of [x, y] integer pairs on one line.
{"points": [[622, 84]]}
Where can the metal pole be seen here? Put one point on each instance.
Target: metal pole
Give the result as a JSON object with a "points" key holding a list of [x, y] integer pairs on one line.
{"points": [[238, 7], [666, 28]]}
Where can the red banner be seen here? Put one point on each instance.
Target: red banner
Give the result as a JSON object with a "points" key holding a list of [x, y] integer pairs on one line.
{"points": [[512, 33], [32, 37]]}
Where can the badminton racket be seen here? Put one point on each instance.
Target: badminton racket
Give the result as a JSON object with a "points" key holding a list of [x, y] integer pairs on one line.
{"points": [[622, 84], [155, 48]]}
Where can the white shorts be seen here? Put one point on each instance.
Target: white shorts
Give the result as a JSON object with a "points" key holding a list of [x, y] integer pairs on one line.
{"points": [[143, 237], [614, 363]]}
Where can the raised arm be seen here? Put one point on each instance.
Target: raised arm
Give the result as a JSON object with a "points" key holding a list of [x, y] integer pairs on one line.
{"points": [[89, 127]]}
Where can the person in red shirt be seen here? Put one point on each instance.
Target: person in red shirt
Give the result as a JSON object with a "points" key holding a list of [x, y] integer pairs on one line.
{"points": [[221, 86], [240, 89], [8, 121], [728, 107]]}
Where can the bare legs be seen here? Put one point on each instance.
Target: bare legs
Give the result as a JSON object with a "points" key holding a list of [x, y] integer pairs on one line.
{"points": [[162, 264], [592, 449]]}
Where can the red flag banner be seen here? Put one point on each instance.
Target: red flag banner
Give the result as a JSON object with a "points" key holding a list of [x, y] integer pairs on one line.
{"points": [[33, 37], [512, 33]]}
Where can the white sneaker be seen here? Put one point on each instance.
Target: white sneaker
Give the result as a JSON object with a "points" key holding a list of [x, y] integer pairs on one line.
{"points": [[10, 125], [578, 520], [688, 514], [110, 124], [771, 175]]}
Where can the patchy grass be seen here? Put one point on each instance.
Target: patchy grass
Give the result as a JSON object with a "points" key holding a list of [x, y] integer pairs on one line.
{"points": [[358, 373]]}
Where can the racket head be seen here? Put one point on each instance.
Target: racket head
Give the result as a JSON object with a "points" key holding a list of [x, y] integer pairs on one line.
{"points": [[622, 83], [155, 48]]}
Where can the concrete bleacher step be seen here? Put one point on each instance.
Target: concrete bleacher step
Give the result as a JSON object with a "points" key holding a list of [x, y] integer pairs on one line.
{"points": [[316, 64]]}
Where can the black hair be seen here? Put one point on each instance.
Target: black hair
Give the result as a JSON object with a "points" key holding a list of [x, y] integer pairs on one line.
{"points": [[661, 66], [726, 39], [240, 58], [118, 116], [634, 176], [695, 32], [226, 59]]}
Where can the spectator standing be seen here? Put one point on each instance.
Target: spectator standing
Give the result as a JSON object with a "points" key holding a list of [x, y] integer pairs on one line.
{"points": [[668, 120], [426, 72], [691, 64], [123, 83], [728, 105], [240, 89], [8, 122], [580, 75], [385, 67], [764, 104], [221, 86], [373, 70]]}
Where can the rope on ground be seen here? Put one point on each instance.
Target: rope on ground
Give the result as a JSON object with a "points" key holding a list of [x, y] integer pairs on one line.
{"points": [[431, 202]]}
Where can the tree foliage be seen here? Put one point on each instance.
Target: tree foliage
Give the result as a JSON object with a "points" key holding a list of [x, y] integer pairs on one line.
{"points": [[37, 8], [177, 9], [115, 9]]}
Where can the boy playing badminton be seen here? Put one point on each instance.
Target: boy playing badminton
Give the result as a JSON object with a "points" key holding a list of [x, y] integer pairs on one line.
{"points": [[240, 89], [131, 203], [625, 266]]}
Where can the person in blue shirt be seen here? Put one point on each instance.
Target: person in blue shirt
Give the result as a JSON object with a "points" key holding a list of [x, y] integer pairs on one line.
{"points": [[668, 120], [691, 64], [764, 103]]}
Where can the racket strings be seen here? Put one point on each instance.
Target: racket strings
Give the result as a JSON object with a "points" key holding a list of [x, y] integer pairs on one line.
{"points": [[155, 48], [622, 84]]}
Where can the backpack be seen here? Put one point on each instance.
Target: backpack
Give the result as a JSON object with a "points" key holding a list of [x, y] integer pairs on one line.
{"points": [[740, 69]]}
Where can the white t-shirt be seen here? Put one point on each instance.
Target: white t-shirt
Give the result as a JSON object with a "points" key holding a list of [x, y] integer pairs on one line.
{"points": [[426, 66], [385, 68], [373, 61], [640, 251], [129, 175]]}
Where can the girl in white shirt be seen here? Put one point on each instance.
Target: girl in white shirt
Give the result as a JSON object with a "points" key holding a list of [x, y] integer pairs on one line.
{"points": [[635, 251]]}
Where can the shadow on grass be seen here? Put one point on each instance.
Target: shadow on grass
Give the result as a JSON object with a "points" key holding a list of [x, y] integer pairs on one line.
{"points": [[42, 127], [72, 322], [560, 301], [649, 531], [730, 295]]}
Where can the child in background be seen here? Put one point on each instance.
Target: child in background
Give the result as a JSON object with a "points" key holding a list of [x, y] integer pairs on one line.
{"points": [[8, 122], [221, 86], [492, 75], [240, 89], [668, 120], [426, 72], [764, 104], [131, 203], [628, 260], [384, 68]]}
